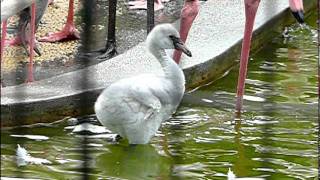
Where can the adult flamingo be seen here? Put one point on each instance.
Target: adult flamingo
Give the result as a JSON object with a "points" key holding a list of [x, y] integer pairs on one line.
{"points": [[29, 19], [69, 30], [24, 24], [251, 7], [188, 14], [110, 48], [190, 11], [191, 8]]}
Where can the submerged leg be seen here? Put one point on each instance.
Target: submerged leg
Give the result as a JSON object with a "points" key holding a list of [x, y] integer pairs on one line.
{"points": [[251, 7], [188, 14], [69, 31]]}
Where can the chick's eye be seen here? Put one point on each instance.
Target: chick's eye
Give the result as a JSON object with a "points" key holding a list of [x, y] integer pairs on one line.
{"points": [[173, 38]]}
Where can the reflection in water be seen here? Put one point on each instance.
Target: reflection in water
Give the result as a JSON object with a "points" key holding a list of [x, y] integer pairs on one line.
{"points": [[133, 162], [276, 137]]}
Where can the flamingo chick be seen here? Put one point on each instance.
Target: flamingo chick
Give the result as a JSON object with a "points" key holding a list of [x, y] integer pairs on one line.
{"points": [[135, 107]]}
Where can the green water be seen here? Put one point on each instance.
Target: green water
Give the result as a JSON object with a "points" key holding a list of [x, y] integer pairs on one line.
{"points": [[276, 137]]}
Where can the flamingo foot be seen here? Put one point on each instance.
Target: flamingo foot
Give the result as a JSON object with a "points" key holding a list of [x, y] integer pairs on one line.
{"points": [[142, 4], [17, 42], [69, 32], [13, 42], [109, 52], [35, 48]]}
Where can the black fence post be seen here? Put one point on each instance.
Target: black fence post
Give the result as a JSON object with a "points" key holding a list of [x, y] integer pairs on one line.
{"points": [[318, 22], [86, 34], [150, 15], [112, 20]]}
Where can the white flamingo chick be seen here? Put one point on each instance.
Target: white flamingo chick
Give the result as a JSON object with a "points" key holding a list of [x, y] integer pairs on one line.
{"points": [[135, 107]]}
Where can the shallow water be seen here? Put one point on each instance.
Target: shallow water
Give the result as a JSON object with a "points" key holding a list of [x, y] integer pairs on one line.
{"points": [[276, 137]]}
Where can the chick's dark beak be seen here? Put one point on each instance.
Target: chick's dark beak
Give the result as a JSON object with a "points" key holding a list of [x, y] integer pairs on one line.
{"points": [[179, 45]]}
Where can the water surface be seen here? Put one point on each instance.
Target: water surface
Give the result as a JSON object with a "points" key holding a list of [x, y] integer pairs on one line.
{"points": [[275, 138]]}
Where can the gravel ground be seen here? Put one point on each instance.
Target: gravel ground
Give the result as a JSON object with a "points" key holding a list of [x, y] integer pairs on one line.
{"points": [[58, 58], [52, 21]]}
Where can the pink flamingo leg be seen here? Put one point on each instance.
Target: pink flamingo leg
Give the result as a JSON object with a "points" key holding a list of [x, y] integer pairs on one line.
{"points": [[32, 43], [69, 31], [3, 37], [142, 4], [13, 42], [188, 14], [251, 7], [17, 40], [296, 5]]}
